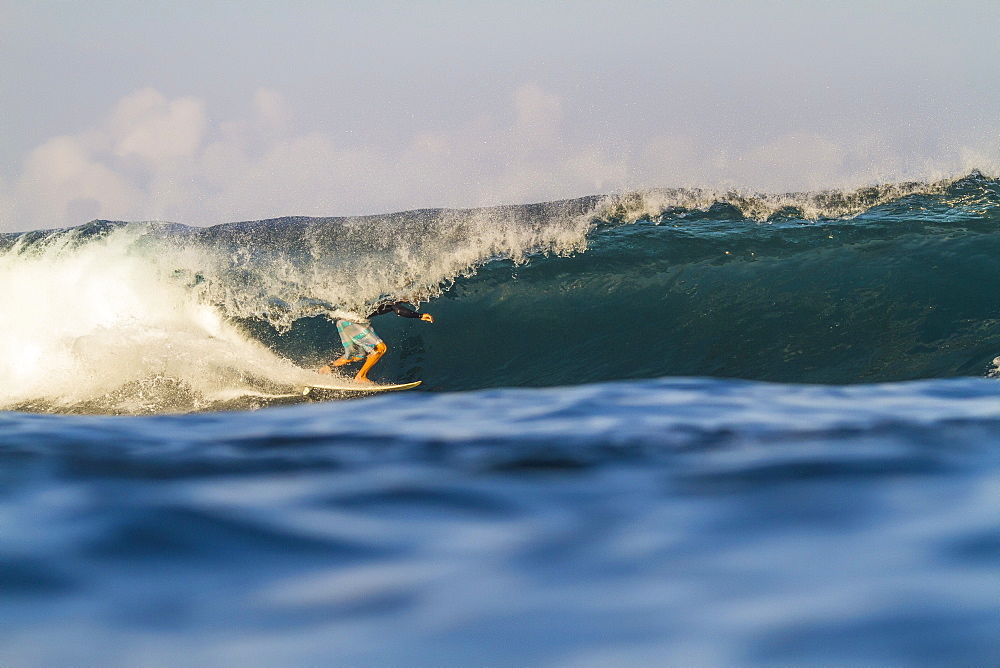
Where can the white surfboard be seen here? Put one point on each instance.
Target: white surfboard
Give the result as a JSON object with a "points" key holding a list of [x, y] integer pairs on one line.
{"points": [[359, 388]]}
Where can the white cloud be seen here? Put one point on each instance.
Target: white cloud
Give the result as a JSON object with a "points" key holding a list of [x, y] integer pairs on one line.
{"points": [[539, 114], [804, 157], [159, 158], [272, 109], [62, 175], [8, 209], [147, 125], [154, 158]]}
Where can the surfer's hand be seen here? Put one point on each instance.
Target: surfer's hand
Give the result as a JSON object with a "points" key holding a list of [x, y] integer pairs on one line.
{"points": [[427, 317]]}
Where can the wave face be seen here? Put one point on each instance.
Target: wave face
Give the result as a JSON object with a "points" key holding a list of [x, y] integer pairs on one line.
{"points": [[907, 289], [880, 284]]}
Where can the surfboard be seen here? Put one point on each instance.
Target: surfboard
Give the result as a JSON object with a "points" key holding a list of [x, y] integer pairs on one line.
{"points": [[360, 388]]}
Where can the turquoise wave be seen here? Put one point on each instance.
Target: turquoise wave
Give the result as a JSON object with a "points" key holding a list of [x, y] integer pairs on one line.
{"points": [[906, 289]]}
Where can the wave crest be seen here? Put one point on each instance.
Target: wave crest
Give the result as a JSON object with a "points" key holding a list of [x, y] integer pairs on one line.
{"points": [[659, 203]]}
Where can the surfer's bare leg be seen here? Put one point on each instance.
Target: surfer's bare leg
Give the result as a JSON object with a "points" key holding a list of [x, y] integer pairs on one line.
{"points": [[340, 361], [373, 357], [327, 369]]}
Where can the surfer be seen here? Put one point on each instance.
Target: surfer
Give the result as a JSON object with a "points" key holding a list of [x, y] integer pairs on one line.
{"points": [[362, 343]]}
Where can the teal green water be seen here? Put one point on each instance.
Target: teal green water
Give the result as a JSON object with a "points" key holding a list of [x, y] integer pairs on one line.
{"points": [[906, 290]]}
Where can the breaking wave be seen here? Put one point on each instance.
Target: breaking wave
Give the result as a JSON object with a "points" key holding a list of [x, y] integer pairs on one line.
{"points": [[890, 282]]}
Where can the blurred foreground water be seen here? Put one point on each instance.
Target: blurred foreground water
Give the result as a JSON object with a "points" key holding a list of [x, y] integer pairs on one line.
{"points": [[663, 521]]}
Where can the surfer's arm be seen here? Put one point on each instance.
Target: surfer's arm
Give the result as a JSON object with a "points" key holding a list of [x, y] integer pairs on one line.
{"points": [[402, 310], [406, 312]]}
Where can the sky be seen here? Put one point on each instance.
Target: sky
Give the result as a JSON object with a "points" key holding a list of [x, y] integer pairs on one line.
{"points": [[212, 112]]}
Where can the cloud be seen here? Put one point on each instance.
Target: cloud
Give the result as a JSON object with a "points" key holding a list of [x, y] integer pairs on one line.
{"points": [[539, 114], [272, 110], [806, 157], [157, 158], [147, 125], [63, 174]]}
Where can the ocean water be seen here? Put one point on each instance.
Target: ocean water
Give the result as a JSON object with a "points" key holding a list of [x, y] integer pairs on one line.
{"points": [[662, 427]]}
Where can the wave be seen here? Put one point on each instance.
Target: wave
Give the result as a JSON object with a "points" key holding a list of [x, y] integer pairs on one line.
{"points": [[884, 283]]}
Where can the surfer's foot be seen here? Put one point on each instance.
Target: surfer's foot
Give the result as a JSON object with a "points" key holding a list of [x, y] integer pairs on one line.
{"points": [[342, 361], [325, 370], [362, 379]]}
